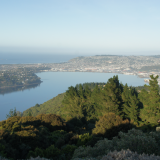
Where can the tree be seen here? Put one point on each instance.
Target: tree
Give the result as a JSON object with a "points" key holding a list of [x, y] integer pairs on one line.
{"points": [[80, 91], [96, 99], [29, 113], [87, 92], [110, 124], [77, 102], [19, 113], [96, 95], [73, 103], [11, 113], [112, 95], [150, 112], [130, 103]]}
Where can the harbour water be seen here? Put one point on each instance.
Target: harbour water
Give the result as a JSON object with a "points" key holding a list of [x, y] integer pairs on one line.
{"points": [[53, 84]]}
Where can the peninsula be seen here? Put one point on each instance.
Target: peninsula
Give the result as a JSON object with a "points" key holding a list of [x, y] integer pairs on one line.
{"points": [[24, 74]]}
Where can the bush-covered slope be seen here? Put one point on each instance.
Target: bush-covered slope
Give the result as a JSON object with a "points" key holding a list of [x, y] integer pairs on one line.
{"points": [[92, 121], [48, 136], [135, 140], [52, 106], [19, 135], [55, 106]]}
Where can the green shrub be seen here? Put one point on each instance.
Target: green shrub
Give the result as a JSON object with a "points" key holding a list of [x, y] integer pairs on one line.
{"points": [[83, 139], [75, 121], [37, 152], [51, 121], [10, 122], [11, 153], [24, 149], [123, 155], [59, 133], [54, 136], [29, 138], [69, 149], [27, 120], [156, 136], [67, 137], [2, 150], [93, 141], [74, 139], [31, 154], [43, 129], [2, 124], [110, 124], [52, 151], [82, 152], [16, 127], [127, 154], [135, 140], [60, 142]]}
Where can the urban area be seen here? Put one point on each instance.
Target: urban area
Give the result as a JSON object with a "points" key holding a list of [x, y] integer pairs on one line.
{"points": [[142, 66]]}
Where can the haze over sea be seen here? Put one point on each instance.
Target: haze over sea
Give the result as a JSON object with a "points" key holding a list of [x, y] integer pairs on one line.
{"points": [[53, 83], [10, 58]]}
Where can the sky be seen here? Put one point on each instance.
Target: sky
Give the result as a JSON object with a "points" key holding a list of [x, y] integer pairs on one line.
{"points": [[92, 27]]}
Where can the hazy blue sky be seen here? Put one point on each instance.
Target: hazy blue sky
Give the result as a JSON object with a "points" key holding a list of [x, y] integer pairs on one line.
{"points": [[80, 26]]}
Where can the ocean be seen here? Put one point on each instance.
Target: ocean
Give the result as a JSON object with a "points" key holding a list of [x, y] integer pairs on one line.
{"points": [[53, 84], [10, 58]]}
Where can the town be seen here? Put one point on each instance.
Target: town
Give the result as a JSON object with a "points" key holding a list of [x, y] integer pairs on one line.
{"points": [[142, 66]]}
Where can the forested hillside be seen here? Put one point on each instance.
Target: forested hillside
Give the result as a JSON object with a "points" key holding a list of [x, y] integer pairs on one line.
{"points": [[90, 121], [54, 105], [91, 100]]}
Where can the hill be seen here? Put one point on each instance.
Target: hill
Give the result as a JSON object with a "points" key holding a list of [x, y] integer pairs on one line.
{"points": [[55, 106], [51, 106], [90, 123]]}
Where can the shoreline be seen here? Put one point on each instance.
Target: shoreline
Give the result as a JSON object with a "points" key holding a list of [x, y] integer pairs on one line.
{"points": [[19, 85], [139, 76]]}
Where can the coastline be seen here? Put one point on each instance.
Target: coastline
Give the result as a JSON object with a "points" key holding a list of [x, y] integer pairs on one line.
{"points": [[124, 73], [19, 85]]}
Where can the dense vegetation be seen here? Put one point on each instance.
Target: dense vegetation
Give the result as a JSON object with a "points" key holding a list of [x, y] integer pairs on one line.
{"points": [[90, 121], [18, 77], [54, 105]]}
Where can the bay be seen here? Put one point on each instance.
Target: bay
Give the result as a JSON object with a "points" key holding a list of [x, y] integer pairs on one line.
{"points": [[53, 84]]}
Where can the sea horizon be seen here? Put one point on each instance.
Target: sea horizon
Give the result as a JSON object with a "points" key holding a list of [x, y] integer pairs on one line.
{"points": [[17, 58]]}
